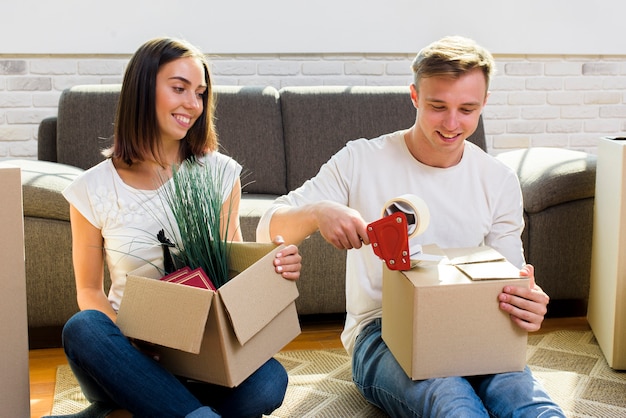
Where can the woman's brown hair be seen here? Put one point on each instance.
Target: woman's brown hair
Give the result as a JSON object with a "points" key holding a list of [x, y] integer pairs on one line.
{"points": [[136, 134]]}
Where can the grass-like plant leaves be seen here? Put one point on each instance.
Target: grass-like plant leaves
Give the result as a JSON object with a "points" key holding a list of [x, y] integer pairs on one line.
{"points": [[194, 196]]}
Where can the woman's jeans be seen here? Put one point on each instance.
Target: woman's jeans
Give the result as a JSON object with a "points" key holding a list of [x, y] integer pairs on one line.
{"points": [[111, 371], [384, 383]]}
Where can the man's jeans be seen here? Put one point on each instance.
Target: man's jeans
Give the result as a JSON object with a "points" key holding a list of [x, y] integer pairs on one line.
{"points": [[112, 372], [384, 383]]}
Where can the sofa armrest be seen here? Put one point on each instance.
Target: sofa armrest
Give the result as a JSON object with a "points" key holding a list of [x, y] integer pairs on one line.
{"points": [[42, 184], [558, 186], [47, 139], [551, 176]]}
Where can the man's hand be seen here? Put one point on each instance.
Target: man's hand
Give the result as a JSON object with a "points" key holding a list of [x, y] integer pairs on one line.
{"points": [[340, 225], [526, 306]]}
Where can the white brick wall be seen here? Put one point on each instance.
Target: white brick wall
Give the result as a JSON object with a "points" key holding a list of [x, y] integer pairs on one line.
{"points": [[555, 101]]}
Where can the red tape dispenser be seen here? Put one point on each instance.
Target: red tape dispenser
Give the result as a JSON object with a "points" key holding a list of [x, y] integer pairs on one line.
{"points": [[389, 239]]}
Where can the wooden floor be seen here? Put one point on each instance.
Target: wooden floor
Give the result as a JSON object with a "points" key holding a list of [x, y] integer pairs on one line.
{"points": [[315, 335]]}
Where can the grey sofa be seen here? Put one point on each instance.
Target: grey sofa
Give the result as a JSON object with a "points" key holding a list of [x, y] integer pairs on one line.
{"points": [[282, 138]]}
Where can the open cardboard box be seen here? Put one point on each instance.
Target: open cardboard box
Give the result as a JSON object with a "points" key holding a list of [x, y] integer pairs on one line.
{"points": [[14, 379], [442, 318], [218, 337]]}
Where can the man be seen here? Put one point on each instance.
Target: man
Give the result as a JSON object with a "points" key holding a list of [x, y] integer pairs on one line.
{"points": [[473, 200]]}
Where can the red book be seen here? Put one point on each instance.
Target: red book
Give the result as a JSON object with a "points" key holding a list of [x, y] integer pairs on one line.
{"points": [[176, 275], [196, 278]]}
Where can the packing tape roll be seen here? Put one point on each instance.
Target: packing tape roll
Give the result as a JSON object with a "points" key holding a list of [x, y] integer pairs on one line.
{"points": [[415, 209]]}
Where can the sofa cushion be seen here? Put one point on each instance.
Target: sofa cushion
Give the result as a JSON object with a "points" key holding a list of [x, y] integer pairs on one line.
{"points": [[250, 129], [241, 114], [47, 139], [318, 121], [85, 125], [551, 176], [42, 184]]}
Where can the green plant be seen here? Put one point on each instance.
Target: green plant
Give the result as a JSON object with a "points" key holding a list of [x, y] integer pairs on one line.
{"points": [[194, 195]]}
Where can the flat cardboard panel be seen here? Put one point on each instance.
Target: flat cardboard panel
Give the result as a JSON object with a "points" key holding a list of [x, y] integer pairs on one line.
{"points": [[398, 313], [452, 325], [14, 380], [607, 292]]}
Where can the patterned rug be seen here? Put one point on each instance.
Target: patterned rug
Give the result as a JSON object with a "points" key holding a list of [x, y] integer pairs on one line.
{"points": [[569, 364]]}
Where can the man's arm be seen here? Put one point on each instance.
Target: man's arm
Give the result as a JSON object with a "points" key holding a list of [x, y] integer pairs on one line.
{"points": [[340, 225], [294, 224]]}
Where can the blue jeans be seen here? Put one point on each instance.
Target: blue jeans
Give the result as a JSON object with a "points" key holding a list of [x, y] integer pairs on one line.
{"points": [[383, 382], [112, 372]]}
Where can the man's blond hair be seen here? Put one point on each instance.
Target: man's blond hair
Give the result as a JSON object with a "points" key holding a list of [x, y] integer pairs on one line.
{"points": [[452, 56]]}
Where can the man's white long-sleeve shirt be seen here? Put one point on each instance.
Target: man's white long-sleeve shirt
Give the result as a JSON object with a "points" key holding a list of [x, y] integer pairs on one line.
{"points": [[476, 202]]}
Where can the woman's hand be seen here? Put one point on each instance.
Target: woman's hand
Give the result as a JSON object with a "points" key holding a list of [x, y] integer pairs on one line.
{"points": [[526, 306], [287, 262]]}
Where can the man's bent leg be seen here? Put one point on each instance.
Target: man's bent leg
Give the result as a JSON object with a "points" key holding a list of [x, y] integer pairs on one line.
{"points": [[516, 394], [384, 383]]}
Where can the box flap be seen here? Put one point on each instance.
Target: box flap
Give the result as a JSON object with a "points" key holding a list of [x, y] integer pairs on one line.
{"points": [[258, 294], [244, 254], [495, 270], [163, 313], [469, 255], [482, 263]]}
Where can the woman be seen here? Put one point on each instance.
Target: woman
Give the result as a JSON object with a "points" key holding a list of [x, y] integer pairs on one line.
{"points": [[164, 117]]}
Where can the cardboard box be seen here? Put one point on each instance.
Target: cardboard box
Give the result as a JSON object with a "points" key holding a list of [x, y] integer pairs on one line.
{"points": [[218, 337], [14, 379], [606, 312], [439, 322]]}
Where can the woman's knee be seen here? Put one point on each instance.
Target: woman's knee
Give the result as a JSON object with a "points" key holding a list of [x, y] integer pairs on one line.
{"points": [[273, 385], [279, 377], [86, 327], [260, 394]]}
